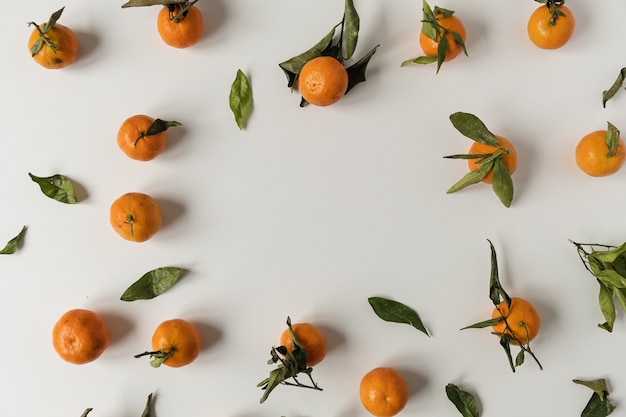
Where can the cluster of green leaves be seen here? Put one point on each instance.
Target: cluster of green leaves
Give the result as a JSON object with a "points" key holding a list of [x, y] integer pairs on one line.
{"points": [[290, 365], [43, 30], [396, 312], [617, 85], [472, 127], [153, 283], [341, 48], [497, 294], [240, 98], [554, 11], [599, 404], [608, 265], [435, 31]]}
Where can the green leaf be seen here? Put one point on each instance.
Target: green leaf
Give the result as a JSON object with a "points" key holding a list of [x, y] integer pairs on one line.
{"points": [[351, 23], [240, 99], [610, 93], [86, 412], [54, 17], [502, 183], [56, 187], [597, 385], [293, 66], [37, 45], [519, 359], [610, 255], [396, 312], [472, 127], [505, 342], [160, 126], [423, 60], [607, 307], [472, 177], [612, 140], [153, 283], [620, 294], [429, 25], [483, 324], [463, 400], [496, 292], [13, 244], [442, 51], [141, 3], [147, 411], [599, 405], [611, 279], [459, 41], [356, 72]]}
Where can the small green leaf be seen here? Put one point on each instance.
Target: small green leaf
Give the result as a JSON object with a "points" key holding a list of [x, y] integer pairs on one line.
{"points": [[463, 400], [429, 26], [351, 23], [610, 255], [505, 342], [519, 359], [472, 127], [240, 99], [147, 411], [153, 283], [396, 312], [356, 72], [611, 279], [597, 385], [496, 292], [599, 405], [160, 126], [608, 94], [459, 41], [56, 187], [483, 324], [472, 177], [442, 51], [37, 45], [605, 298], [423, 60], [54, 17], [13, 244], [293, 66], [502, 183], [86, 412], [612, 140], [141, 3]]}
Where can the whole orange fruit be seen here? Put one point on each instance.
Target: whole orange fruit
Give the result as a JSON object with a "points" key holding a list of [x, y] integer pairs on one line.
{"points": [[133, 140], [53, 45], [449, 24], [509, 158], [175, 343], [594, 157], [310, 338], [323, 81], [180, 28], [549, 33], [384, 392], [522, 319], [80, 336], [135, 216]]}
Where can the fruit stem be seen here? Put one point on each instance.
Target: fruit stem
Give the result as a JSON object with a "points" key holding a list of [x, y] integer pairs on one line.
{"points": [[178, 17], [44, 38], [129, 221], [524, 347], [551, 5], [141, 136]]}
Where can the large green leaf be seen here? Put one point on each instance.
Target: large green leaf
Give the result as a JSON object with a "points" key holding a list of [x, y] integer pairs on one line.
{"points": [[153, 283], [356, 72], [293, 66], [472, 127], [56, 187], [351, 23], [463, 400], [502, 183], [396, 312], [13, 244], [240, 99]]}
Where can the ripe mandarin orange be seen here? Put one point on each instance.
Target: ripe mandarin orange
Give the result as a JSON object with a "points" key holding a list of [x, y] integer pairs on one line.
{"points": [[80, 336], [450, 24], [135, 216], [133, 140], [310, 338], [522, 318], [384, 392], [179, 340], [178, 28], [509, 158], [547, 33], [323, 81], [594, 158], [53, 46]]}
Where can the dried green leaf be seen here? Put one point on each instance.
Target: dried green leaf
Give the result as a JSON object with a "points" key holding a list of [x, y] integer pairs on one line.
{"points": [[609, 255], [396, 312], [472, 177], [351, 23], [442, 51], [240, 99], [429, 26], [356, 72], [86, 412], [54, 17], [463, 400], [597, 385], [519, 359], [423, 60], [459, 41], [472, 127], [293, 66], [612, 140], [147, 411], [502, 183], [617, 84], [505, 342], [496, 292], [611, 279], [56, 187], [37, 45], [599, 405], [141, 3], [13, 244], [605, 298], [160, 126], [483, 324], [153, 283]]}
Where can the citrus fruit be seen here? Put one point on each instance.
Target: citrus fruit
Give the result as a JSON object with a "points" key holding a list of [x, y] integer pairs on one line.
{"points": [[310, 338], [446, 25], [595, 158], [143, 138], [178, 27], [551, 26], [509, 158], [135, 216], [522, 319], [323, 81], [384, 392], [175, 343], [53, 45], [80, 336]]}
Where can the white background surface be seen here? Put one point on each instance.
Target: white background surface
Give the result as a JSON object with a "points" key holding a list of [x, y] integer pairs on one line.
{"points": [[307, 212]]}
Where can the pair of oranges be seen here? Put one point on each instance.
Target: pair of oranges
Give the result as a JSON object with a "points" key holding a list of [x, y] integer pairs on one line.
{"points": [[81, 336], [55, 46]]}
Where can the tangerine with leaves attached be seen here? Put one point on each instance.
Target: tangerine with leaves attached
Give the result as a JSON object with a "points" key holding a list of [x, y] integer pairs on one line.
{"points": [[323, 81], [180, 25], [509, 156], [520, 321], [552, 25], [310, 338], [601, 153], [143, 138], [449, 27], [175, 343], [51, 44]]}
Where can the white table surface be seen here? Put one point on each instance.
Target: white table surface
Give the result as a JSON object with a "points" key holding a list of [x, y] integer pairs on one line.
{"points": [[308, 211]]}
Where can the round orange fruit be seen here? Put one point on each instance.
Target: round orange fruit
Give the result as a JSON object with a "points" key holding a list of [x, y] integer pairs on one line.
{"points": [[175, 343], [310, 338], [549, 32], [323, 81], [178, 27], [594, 157], [80, 336], [135, 216], [384, 392], [522, 320], [448, 24]]}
